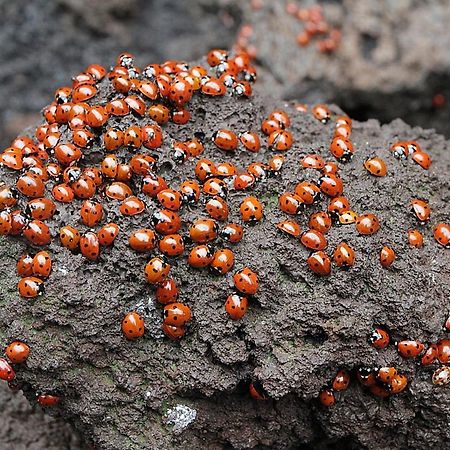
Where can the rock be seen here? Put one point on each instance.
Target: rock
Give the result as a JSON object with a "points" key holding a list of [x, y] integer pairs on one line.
{"points": [[299, 330]]}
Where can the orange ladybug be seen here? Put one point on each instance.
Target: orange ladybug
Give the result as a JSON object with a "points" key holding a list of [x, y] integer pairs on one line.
{"points": [[42, 264], [376, 166], [133, 326], [246, 281], [177, 314], [236, 306], [156, 270], [17, 352], [441, 233], [222, 261], [344, 256], [387, 256], [251, 209], [367, 224]]}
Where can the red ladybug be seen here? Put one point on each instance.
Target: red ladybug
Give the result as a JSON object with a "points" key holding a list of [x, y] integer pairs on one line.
{"points": [[200, 257], [156, 270], [314, 240], [84, 187], [379, 338], [343, 131], [400, 150], [250, 140], [12, 158], [327, 398], [246, 281], [217, 208], [410, 349], [166, 222], [320, 221], [290, 227], [167, 292], [330, 167], [37, 233], [215, 187], [89, 246], [398, 384], [153, 184], [173, 332], [290, 203], [190, 191], [342, 149], [181, 116], [322, 113], [429, 356], [415, 238], [367, 224], [226, 169], [170, 199], [69, 237], [63, 193], [203, 231], [344, 256], [194, 147], [222, 261], [225, 140], [177, 314], [42, 264], [24, 266], [204, 169], [142, 164], [67, 153], [313, 161], [243, 181], [136, 105], [236, 306], [117, 107], [216, 56], [232, 232], [443, 351], [113, 139], [30, 287], [387, 256], [48, 401], [251, 210], [308, 192], [331, 185], [341, 380], [132, 206], [280, 140], [180, 92], [17, 352], [6, 371], [171, 245], [269, 126], [319, 263], [159, 113], [421, 210], [376, 166], [97, 116], [441, 234], [423, 159], [31, 185], [5, 223], [142, 240], [83, 93], [133, 326], [214, 87], [152, 136], [386, 374], [91, 213], [107, 234]]}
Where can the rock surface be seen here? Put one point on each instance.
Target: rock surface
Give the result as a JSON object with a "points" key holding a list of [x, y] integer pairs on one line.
{"points": [[298, 332]]}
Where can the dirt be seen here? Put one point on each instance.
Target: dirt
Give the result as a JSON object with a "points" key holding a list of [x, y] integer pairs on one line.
{"points": [[298, 332]]}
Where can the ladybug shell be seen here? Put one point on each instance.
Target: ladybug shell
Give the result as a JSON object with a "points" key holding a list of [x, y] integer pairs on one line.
{"points": [[320, 263], [314, 240], [386, 374], [91, 213], [367, 224], [320, 221], [40, 208], [89, 246], [24, 266], [341, 380], [441, 234], [30, 287], [69, 237], [156, 270], [203, 231], [313, 161], [398, 383], [177, 314], [430, 355], [222, 262], [327, 398], [172, 332], [132, 206], [17, 352], [421, 210], [107, 234], [344, 255], [225, 140], [246, 281], [167, 292], [200, 256], [6, 371], [142, 240], [232, 232], [379, 338], [172, 245], [443, 351], [410, 349], [289, 227], [251, 209], [47, 400], [37, 233], [236, 306], [42, 264], [166, 222], [133, 326], [387, 256]]}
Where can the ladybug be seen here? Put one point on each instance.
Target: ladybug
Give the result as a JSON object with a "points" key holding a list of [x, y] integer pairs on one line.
{"points": [[203, 231], [200, 257], [226, 169], [48, 401], [42, 264], [194, 147], [167, 292], [308, 192], [5, 223], [342, 131], [250, 140], [170, 199], [12, 158], [290, 227], [367, 224], [443, 351], [31, 185], [236, 306], [37, 233], [376, 166], [430, 356], [387, 256], [136, 105], [421, 210], [327, 398], [213, 87], [40, 208], [410, 349], [67, 153], [177, 314], [133, 326], [216, 57], [107, 234], [415, 238], [30, 287], [90, 246], [322, 113], [342, 149], [113, 139], [190, 191], [398, 384], [18, 223], [320, 221], [180, 116], [257, 391], [246, 281], [69, 237], [132, 137], [330, 167], [225, 139], [314, 240], [441, 376], [282, 117], [63, 193], [290, 203], [8, 197], [258, 170], [217, 208], [165, 221], [215, 187], [319, 263], [386, 374], [269, 126], [172, 332], [400, 150], [423, 159], [132, 206], [441, 233], [348, 217], [180, 152], [84, 187], [17, 352], [344, 255], [148, 89], [153, 184], [83, 93], [24, 266], [91, 213], [331, 185], [180, 92], [365, 376], [313, 161], [232, 233], [97, 116], [142, 164], [280, 140], [142, 240], [251, 210], [343, 120], [379, 338], [82, 138], [118, 191], [159, 113], [152, 136], [222, 261], [204, 169], [6, 371], [97, 71], [94, 174], [171, 245], [156, 270], [341, 381], [243, 181], [275, 164]]}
